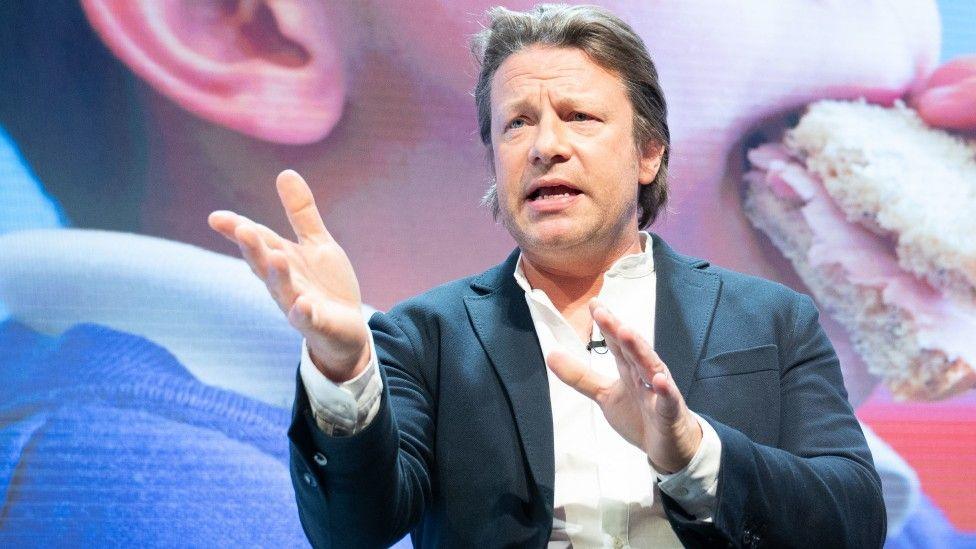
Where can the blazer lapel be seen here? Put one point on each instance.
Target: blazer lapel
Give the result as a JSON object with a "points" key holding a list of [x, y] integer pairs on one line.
{"points": [[503, 324], [685, 303], [686, 299]]}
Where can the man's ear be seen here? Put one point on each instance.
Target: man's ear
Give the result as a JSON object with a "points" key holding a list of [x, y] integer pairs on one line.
{"points": [[650, 162], [268, 69]]}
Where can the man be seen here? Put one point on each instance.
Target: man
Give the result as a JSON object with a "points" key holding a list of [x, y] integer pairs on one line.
{"points": [[441, 419]]}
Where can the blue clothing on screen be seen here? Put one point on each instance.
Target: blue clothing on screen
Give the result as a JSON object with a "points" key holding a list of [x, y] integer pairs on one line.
{"points": [[106, 439]]}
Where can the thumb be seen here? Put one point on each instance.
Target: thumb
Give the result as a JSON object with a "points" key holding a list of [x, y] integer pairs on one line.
{"points": [[301, 314], [578, 375], [317, 319]]}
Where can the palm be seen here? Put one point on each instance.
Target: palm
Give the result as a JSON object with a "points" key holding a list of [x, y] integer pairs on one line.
{"points": [[623, 414], [631, 413], [311, 280], [322, 274], [652, 416]]}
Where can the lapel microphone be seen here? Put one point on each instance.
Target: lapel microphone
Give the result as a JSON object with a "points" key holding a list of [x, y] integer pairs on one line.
{"points": [[599, 345]]}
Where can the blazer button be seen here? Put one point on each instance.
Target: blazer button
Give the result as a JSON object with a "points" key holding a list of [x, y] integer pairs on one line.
{"points": [[319, 458], [310, 480]]}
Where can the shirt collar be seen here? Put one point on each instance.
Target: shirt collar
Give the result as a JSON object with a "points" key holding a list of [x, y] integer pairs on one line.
{"points": [[629, 266]]}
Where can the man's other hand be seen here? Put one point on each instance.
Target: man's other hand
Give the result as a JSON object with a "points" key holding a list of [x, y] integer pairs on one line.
{"points": [[311, 279], [644, 405]]}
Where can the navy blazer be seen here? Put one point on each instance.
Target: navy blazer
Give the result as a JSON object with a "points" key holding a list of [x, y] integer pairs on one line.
{"points": [[461, 452]]}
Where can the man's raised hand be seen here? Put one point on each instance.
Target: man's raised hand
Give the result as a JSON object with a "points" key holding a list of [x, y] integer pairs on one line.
{"points": [[643, 405], [311, 279]]}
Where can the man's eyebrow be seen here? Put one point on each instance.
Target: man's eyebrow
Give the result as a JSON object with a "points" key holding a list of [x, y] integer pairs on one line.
{"points": [[584, 99], [520, 104]]}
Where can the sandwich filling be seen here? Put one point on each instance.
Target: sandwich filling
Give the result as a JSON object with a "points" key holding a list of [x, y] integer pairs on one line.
{"points": [[868, 259]]}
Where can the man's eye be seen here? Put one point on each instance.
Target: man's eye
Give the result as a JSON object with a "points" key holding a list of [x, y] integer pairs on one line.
{"points": [[516, 123], [581, 117]]}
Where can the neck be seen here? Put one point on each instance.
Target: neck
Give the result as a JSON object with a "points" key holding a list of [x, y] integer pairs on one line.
{"points": [[570, 279]]}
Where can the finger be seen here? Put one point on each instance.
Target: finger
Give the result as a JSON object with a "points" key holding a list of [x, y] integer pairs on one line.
{"points": [[669, 400], [646, 361], [952, 72], [627, 344], [952, 106], [279, 279], [253, 249], [626, 339], [630, 373], [624, 367], [326, 324], [308, 316], [573, 372], [603, 320], [300, 207], [302, 314], [224, 222], [608, 326], [271, 239], [634, 382]]}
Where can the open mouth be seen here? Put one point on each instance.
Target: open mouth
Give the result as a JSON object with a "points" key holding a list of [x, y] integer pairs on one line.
{"points": [[554, 192]]}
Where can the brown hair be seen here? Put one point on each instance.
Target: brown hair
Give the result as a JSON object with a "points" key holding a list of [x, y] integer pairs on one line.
{"points": [[610, 43]]}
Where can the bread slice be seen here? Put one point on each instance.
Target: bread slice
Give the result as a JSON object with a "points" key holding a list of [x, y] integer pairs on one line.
{"points": [[900, 179], [914, 328]]}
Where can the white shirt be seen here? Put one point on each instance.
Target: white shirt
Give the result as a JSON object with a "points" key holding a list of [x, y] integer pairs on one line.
{"points": [[606, 494]]}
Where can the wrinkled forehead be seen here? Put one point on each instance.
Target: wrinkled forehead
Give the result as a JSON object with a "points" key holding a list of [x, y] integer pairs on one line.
{"points": [[564, 72]]}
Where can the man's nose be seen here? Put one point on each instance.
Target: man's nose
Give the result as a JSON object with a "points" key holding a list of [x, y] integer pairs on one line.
{"points": [[550, 145]]}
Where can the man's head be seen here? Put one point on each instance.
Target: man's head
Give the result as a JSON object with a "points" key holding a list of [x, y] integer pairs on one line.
{"points": [[607, 42]]}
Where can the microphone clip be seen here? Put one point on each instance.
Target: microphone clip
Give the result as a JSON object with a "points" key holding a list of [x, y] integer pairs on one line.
{"points": [[600, 346]]}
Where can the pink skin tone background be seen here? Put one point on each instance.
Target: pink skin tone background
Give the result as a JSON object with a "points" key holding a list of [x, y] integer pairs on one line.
{"points": [[370, 101]]}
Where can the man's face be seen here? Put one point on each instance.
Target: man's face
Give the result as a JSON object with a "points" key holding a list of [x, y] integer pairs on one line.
{"points": [[563, 151]]}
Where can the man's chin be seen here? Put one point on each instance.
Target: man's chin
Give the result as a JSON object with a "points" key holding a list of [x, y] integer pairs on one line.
{"points": [[562, 239], [553, 232]]}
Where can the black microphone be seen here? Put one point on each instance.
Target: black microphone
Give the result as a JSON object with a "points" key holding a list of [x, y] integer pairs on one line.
{"points": [[597, 345]]}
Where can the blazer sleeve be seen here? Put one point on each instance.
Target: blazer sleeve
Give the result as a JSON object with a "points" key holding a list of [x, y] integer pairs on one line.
{"points": [[818, 487], [371, 488]]}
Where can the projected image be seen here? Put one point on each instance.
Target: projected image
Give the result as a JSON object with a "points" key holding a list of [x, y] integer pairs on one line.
{"points": [[146, 377]]}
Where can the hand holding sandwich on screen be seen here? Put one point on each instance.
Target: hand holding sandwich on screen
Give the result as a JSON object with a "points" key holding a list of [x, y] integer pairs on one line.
{"points": [[311, 280]]}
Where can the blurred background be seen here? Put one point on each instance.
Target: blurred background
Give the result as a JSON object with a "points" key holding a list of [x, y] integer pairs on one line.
{"points": [[145, 376]]}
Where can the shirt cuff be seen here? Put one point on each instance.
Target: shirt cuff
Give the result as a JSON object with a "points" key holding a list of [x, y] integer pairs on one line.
{"points": [[346, 408], [695, 487]]}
